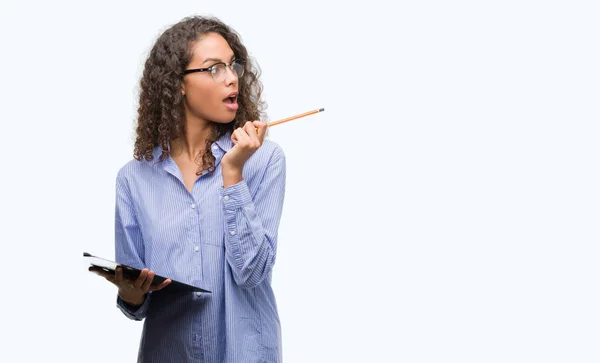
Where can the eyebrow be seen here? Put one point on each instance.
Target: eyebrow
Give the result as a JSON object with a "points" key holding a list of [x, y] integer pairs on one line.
{"points": [[217, 60]]}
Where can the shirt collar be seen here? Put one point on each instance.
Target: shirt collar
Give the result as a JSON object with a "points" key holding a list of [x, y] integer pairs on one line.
{"points": [[224, 142], [157, 152]]}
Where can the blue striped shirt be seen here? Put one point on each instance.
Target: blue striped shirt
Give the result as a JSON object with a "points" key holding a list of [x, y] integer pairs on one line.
{"points": [[221, 239]]}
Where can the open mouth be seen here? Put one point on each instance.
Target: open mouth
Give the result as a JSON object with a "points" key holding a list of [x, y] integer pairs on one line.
{"points": [[231, 100]]}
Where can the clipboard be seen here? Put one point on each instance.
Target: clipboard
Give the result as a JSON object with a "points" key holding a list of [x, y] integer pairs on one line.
{"points": [[133, 273]]}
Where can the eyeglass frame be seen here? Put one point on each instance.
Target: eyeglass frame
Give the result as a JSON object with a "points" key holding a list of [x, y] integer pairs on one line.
{"points": [[208, 69]]}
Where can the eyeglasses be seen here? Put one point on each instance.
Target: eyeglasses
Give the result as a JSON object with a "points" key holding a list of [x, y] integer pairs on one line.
{"points": [[218, 70]]}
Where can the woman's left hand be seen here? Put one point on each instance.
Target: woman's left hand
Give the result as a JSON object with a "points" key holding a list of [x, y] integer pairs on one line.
{"points": [[246, 141]]}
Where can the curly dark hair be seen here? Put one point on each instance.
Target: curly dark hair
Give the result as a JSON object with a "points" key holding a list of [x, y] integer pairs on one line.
{"points": [[161, 116]]}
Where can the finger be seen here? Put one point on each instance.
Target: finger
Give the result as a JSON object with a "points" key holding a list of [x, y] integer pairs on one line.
{"points": [[251, 130], [141, 279], [242, 137], [252, 133], [262, 130], [161, 286], [118, 275], [148, 282]]}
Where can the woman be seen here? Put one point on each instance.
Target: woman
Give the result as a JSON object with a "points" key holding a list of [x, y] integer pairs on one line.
{"points": [[201, 203]]}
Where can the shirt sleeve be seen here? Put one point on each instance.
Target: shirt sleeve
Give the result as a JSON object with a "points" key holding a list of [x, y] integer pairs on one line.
{"points": [[252, 223], [132, 312], [129, 245]]}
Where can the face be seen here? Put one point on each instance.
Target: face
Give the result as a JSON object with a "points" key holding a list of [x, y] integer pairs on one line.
{"points": [[206, 98]]}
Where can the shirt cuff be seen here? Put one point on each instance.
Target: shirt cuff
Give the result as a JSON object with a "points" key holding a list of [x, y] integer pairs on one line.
{"points": [[132, 312], [235, 196]]}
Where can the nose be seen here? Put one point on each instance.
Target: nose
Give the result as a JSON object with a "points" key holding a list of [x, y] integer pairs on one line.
{"points": [[230, 76]]}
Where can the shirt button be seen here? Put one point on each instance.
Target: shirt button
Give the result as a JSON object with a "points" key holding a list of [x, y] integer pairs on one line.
{"points": [[196, 248], [226, 197], [193, 206], [232, 233]]}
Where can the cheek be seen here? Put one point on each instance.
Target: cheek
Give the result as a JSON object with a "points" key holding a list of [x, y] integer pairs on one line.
{"points": [[202, 99]]}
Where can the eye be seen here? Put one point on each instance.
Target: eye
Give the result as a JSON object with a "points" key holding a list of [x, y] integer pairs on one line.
{"points": [[217, 68], [238, 68]]}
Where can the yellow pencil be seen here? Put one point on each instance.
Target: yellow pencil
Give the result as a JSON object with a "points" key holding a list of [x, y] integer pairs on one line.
{"points": [[295, 117]]}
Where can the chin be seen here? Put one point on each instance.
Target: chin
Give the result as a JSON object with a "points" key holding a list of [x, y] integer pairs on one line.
{"points": [[224, 119], [221, 116]]}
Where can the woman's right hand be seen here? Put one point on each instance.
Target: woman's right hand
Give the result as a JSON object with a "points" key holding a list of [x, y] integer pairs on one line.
{"points": [[133, 292]]}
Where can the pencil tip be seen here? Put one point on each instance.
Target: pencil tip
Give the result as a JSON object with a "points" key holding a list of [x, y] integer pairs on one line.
{"points": [[321, 109]]}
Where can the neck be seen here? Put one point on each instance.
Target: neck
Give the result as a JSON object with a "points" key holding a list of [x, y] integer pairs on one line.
{"points": [[193, 142]]}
